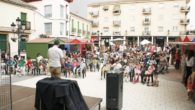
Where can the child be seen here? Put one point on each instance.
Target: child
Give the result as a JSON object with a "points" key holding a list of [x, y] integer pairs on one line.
{"points": [[149, 74], [29, 65], [137, 72]]}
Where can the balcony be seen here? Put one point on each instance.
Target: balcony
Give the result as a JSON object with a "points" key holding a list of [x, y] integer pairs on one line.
{"points": [[95, 24], [117, 10], [184, 21], [146, 21], [94, 33], [73, 30], [116, 33], [146, 33], [146, 11], [94, 13], [27, 25], [117, 23], [185, 9]]}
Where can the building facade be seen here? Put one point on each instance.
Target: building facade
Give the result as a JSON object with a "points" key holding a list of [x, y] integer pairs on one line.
{"points": [[80, 28], [14, 9], [42, 18], [191, 15], [159, 21], [55, 17]]}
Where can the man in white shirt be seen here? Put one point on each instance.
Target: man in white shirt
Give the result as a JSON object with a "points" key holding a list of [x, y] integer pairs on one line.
{"points": [[56, 59]]}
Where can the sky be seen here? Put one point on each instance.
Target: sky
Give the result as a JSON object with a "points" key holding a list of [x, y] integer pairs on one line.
{"points": [[80, 6]]}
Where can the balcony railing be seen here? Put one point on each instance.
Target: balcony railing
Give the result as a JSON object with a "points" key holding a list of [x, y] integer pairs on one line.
{"points": [[117, 10], [146, 11], [27, 25], [94, 13], [73, 29], [94, 33], [79, 31], [184, 21], [116, 33], [185, 9], [146, 33], [116, 23], [146, 22], [95, 24]]}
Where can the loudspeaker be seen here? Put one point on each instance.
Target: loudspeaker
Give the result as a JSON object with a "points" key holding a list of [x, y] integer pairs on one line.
{"points": [[114, 90]]}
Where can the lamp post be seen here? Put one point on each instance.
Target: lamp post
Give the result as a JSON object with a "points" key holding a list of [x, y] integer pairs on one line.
{"points": [[168, 32], [19, 29], [99, 38]]}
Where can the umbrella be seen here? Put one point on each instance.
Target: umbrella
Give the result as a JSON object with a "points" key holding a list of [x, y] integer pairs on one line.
{"points": [[145, 42]]}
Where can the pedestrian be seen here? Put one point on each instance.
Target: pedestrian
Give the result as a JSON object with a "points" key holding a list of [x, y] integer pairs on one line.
{"points": [[189, 65], [191, 85], [56, 59]]}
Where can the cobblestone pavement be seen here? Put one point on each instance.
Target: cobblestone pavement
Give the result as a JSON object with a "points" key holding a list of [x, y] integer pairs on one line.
{"points": [[170, 95]]}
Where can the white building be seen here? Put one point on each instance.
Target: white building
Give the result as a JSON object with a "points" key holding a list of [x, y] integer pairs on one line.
{"points": [[41, 17], [80, 27], [191, 15], [55, 15], [10, 10], [160, 21]]}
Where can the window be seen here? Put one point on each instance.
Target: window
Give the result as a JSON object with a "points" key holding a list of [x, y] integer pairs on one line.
{"points": [[83, 27], [106, 29], [23, 18], [48, 28], [78, 25], [132, 29], [175, 28], [62, 29], [48, 11], [72, 25], [105, 8], [160, 29], [146, 29], [62, 11]]}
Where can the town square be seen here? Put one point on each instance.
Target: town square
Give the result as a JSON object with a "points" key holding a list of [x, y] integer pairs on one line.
{"points": [[97, 55]]}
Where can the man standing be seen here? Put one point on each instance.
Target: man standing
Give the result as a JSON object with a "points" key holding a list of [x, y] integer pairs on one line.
{"points": [[56, 61]]}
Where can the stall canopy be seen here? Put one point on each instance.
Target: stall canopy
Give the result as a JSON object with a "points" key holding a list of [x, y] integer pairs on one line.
{"points": [[40, 45], [144, 42], [75, 41]]}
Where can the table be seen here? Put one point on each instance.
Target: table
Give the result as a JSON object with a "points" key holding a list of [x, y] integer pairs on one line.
{"points": [[59, 94]]}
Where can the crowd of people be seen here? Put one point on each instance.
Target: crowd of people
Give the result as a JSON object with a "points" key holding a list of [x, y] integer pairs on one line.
{"points": [[140, 64]]}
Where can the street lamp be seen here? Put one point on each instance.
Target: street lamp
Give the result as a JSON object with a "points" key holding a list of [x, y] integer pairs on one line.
{"points": [[19, 29], [168, 32], [99, 38]]}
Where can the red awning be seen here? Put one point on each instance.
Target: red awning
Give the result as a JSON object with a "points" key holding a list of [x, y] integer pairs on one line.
{"points": [[75, 41], [186, 39]]}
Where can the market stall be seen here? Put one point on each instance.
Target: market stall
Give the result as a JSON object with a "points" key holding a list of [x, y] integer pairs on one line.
{"points": [[40, 45]]}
